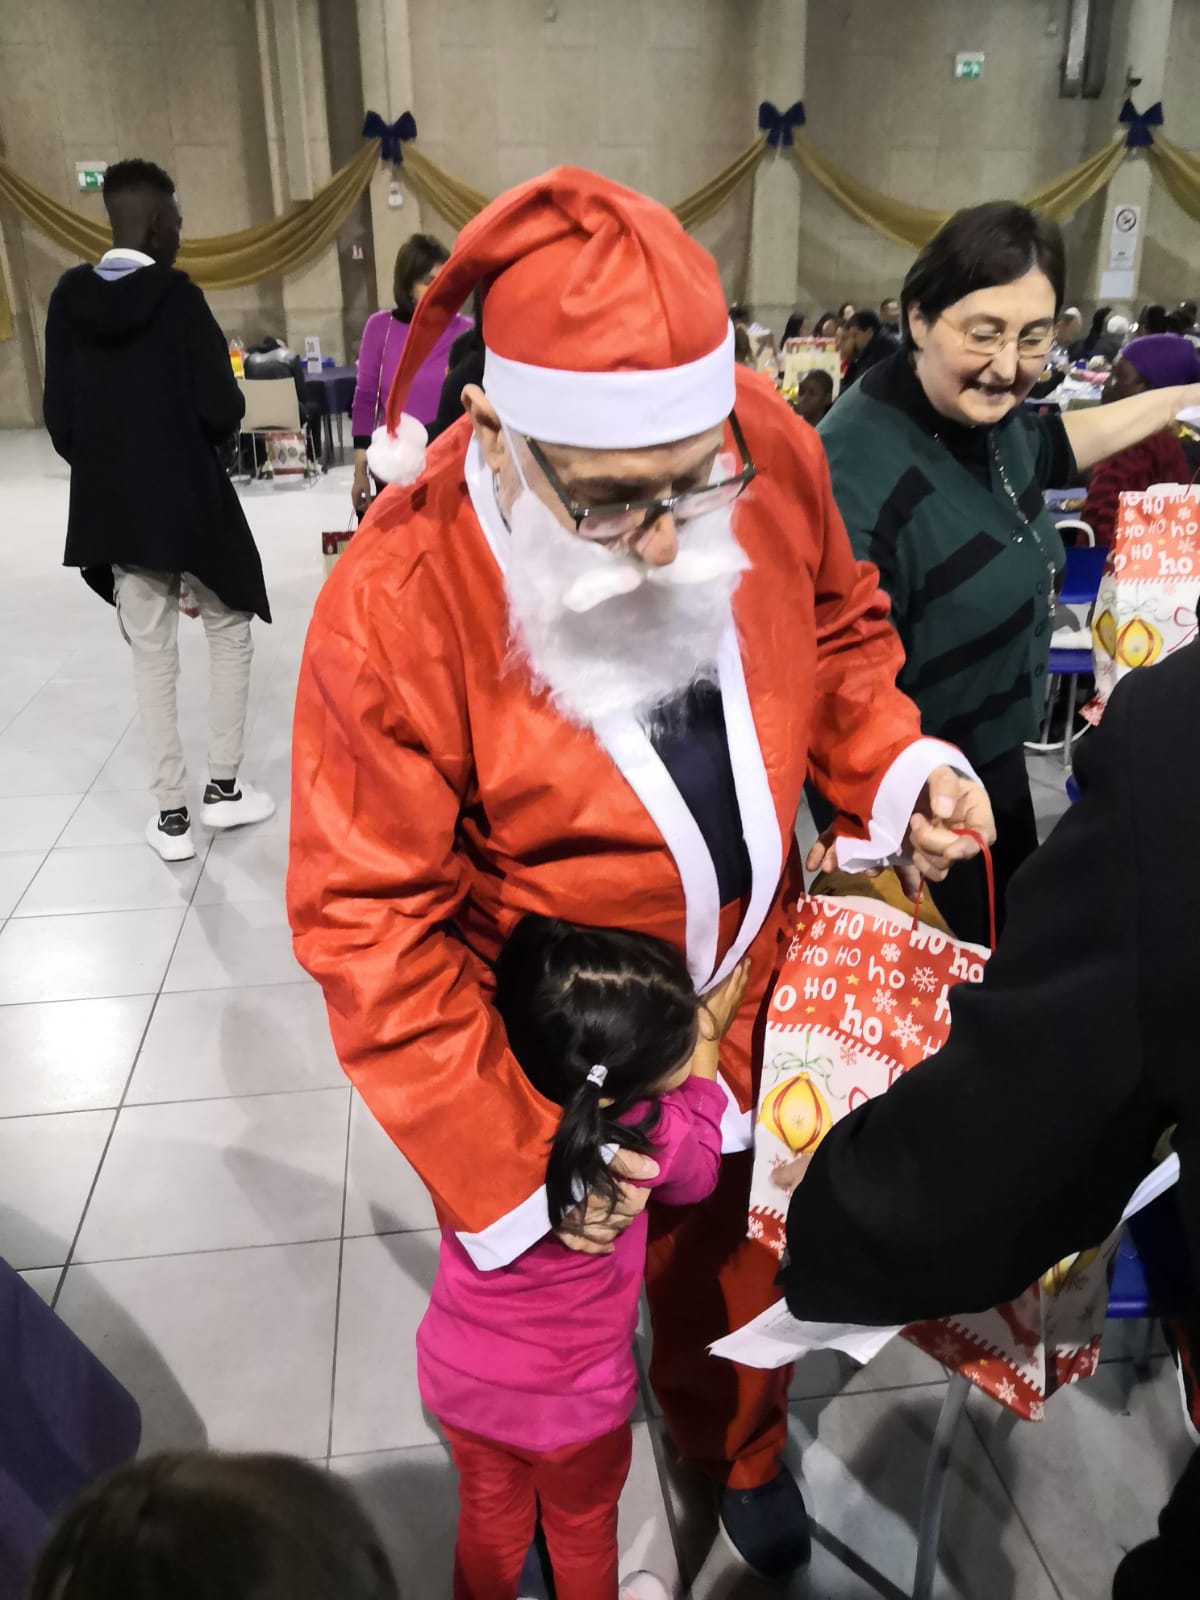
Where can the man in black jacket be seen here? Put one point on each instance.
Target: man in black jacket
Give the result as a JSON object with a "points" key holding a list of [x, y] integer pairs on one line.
{"points": [[139, 394], [862, 343], [925, 1202]]}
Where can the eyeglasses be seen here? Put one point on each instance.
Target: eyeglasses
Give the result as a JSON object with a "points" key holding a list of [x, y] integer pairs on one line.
{"points": [[620, 519], [985, 341]]}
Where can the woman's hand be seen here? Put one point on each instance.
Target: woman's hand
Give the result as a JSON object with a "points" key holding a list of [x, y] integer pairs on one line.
{"points": [[360, 493]]}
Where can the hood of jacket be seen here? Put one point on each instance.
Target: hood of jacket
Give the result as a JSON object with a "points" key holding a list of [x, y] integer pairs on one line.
{"points": [[110, 311]]}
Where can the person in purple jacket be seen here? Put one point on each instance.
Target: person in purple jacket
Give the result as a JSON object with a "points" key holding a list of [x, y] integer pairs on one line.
{"points": [[417, 260]]}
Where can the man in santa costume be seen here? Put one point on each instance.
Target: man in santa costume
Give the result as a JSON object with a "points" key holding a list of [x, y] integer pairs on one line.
{"points": [[581, 667]]}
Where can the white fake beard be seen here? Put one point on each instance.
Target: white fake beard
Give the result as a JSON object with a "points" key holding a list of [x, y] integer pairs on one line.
{"points": [[604, 633]]}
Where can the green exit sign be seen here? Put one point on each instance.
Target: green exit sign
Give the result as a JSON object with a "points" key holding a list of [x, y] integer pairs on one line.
{"points": [[969, 64], [90, 177]]}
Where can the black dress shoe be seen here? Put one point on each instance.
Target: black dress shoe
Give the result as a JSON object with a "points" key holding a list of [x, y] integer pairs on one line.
{"points": [[768, 1526]]}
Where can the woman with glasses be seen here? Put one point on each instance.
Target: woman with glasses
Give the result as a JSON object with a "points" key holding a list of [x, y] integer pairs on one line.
{"points": [[939, 471]]}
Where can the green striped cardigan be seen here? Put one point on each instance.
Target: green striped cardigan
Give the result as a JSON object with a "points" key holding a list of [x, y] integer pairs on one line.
{"points": [[969, 584]]}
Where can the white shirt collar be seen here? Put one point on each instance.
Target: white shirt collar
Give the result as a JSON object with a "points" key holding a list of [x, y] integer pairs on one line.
{"points": [[135, 256]]}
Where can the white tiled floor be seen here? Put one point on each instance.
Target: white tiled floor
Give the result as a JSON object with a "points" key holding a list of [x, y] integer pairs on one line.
{"points": [[183, 1166]]}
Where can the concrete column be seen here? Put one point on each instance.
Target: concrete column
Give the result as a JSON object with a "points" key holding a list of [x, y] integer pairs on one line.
{"points": [[289, 39], [387, 79], [775, 220], [1141, 44]]}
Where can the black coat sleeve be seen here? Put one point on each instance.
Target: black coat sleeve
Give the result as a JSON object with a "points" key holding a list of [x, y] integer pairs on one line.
{"points": [[56, 395], [1023, 1139], [219, 402]]}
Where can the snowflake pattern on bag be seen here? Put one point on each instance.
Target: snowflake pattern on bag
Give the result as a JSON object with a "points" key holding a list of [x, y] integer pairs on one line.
{"points": [[863, 997]]}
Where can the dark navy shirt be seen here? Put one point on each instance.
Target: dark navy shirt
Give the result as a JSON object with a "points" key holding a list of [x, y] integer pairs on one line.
{"points": [[690, 739]]}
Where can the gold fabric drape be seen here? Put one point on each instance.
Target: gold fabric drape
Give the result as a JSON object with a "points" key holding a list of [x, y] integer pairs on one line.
{"points": [[706, 201], [453, 199], [914, 226], [1179, 173], [225, 261], [458, 202]]}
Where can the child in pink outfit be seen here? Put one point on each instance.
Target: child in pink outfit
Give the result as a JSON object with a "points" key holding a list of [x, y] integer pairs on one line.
{"points": [[530, 1368]]}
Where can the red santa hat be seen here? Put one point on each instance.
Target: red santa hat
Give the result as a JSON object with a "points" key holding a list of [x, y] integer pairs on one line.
{"points": [[604, 323]]}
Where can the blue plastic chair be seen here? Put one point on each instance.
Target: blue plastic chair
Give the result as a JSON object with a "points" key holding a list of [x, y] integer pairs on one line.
{"points": [[1080, 586]]}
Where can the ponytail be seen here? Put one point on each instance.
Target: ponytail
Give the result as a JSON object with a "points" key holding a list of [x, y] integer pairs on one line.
{"points": [[578, 1164]]}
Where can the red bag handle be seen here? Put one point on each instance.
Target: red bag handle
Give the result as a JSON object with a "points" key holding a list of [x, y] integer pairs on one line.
{"points": [[970, 833]]}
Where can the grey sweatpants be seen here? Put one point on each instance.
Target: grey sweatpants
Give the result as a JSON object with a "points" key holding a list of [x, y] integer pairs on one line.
{"points": [[148, 611]]}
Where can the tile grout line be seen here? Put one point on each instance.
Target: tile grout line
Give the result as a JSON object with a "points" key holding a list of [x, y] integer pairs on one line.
{"points": [[337, 1301], [87, 1204], [1011, 1498]]}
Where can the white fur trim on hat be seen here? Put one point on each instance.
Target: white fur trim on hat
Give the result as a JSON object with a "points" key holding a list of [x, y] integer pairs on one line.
{"points": [[613, 410], [398, 457]]}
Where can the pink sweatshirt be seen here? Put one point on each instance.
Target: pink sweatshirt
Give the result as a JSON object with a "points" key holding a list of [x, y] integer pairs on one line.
{"points": [[379, 356], [539, 1354]]}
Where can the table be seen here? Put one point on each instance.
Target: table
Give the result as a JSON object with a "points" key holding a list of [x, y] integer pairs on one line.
{"points": [[332, 391]]}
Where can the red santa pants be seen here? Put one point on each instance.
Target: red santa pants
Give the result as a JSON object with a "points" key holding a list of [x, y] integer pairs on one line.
{"points": [[501, 1490], [704, 1278]]}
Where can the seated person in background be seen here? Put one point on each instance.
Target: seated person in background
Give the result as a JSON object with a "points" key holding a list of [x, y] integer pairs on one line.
{"points": [[187, 1525], [827, 325], [862, 344], [1155, 362], [742, 349], [1153, 320], [889, 317], [273, 359], [814, 395], [1066, 331], [925, 1202], [1108, 345]]}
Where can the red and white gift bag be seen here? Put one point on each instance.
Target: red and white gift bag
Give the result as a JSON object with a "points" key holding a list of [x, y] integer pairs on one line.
{"points": [[1146, 607], [863, 996]]}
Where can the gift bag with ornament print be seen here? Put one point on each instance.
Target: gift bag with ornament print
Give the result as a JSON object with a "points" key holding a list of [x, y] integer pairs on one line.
{"points": [[1146, 608], [863, 996]]}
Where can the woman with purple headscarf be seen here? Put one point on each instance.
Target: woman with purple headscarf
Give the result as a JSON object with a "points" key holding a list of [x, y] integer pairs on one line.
{"points": [[1158, 361]]}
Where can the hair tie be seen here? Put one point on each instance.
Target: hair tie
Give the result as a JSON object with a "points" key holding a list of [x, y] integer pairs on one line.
{"points": [[597, 1076]]}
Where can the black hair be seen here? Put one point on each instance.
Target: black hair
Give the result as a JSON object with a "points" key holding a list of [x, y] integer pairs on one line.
{"points": [[820, 377], [795, 326], [197, 1525], [1188, 307], [133, 177], [742, 349], [576, 998], [1153, 319], [864, 321], [889, 300], [826, 316], [416, 258], [981, 248], [841, 310], [740, 312], [1176, 322]]}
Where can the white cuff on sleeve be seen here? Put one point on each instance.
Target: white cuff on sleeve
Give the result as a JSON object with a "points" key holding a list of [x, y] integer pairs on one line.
{"points": [[895, 803], [502, 1241]]}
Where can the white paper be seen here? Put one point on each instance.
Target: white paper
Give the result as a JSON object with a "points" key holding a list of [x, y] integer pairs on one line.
{"points": [[1164, 1177], [776, 1339]]}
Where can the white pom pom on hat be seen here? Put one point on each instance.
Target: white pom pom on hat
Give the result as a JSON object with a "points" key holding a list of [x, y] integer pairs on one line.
{"points": [[398, 457]]}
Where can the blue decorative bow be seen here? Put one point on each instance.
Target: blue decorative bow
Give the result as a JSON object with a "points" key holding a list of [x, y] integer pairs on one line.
{"points": [[390, 134], [778, 125], [1140, 123]]}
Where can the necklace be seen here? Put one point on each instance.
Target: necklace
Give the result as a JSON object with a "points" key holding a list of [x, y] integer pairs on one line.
{"points": [[1019, 537]]}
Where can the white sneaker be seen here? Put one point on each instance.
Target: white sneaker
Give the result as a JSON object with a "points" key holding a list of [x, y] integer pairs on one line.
{"points": [[244, 805], [643, 1586], [170, 834]]}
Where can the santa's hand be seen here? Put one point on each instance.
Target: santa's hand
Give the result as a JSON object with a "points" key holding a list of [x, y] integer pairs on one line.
{"points": [[594, 1225], [948, 803]]}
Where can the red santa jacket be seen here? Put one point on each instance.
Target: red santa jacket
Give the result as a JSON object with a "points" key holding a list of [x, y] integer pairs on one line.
{"points": [[438, 797]]}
